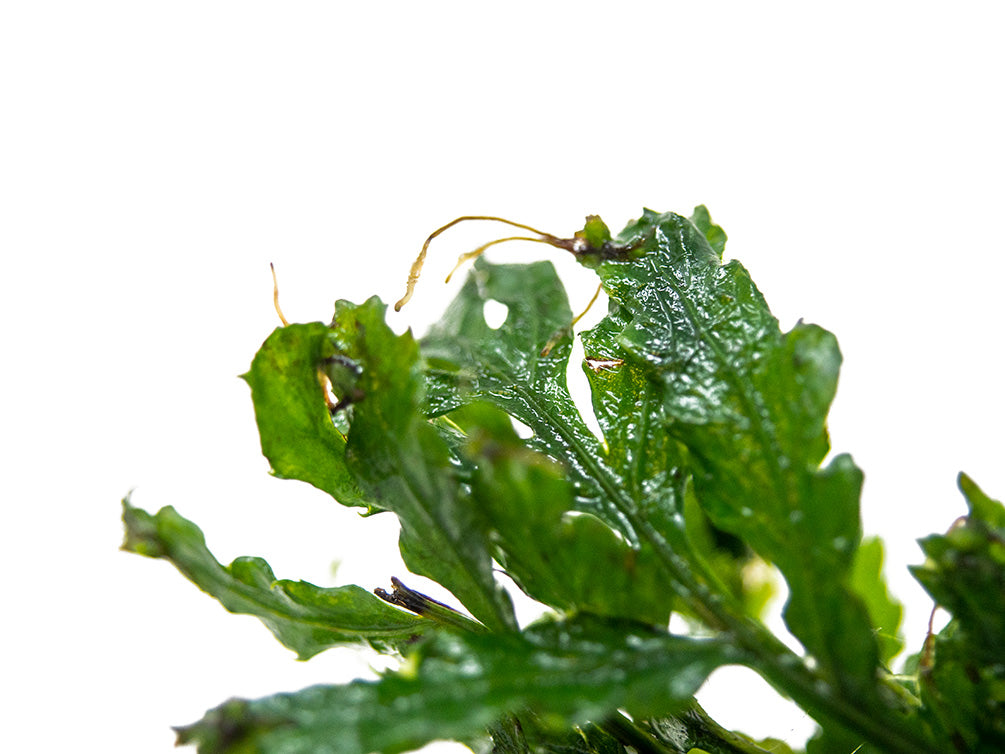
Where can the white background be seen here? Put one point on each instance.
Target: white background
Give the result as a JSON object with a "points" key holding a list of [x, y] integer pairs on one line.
{"points": [[155, 157]]}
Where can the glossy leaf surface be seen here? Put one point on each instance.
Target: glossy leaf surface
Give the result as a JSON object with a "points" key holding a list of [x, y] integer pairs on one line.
{"points": [[460, 685], [513, 368], [405, 466], [749, 403], [708, 464], [296, 429], [572, 563], [306, 618]]}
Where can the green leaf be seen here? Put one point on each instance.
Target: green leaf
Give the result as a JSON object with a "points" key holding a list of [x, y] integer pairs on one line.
{"points": [[710, 462], [512, 368], [713, 233], [965, 572], [885, 612], [570, 563], [595, 232], [749, 404], [306, 618], [691, 730], [404, 464], [645, 459], [528, 733], [963, 684], [460, 685], [650, 464], [298, 436]]}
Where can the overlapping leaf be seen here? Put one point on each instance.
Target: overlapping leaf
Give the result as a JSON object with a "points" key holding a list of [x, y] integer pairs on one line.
{"points": [[628, 407], [381, 454], [574, 563], [306, 618], [963, 681], [651, 463], [713, 425], [403, 463], [749, 404], [467, 360], [460, 685]]}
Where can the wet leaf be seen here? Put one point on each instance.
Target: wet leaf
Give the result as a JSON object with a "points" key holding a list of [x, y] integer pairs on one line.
{"points": [[466, 361], [306, 618], [458, 686], [570, 562], [405, 466], [749, 403], [296, 429], [710, 464]]}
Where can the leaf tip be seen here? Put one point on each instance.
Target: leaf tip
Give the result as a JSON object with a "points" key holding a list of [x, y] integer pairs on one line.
{"points": [[141, 536]]}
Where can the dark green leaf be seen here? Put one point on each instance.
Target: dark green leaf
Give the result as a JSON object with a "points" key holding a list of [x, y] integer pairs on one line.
{"points": [[466, 361], [650, 463], [628, 406], [531, 733], [749, 404], [460, 685], [520, 367], [691, 731], [306, 618], [571, 563], [832, 741], [508, 737]]}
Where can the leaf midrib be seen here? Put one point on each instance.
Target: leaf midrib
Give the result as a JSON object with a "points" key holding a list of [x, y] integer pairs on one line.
{"points": [[804, 576]]}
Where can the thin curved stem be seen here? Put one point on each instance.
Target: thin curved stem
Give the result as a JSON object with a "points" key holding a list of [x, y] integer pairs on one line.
{"points": [[416, 270]]}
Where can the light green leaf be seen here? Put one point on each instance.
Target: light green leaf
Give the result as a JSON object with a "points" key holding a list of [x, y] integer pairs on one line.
{"points": [[885, 612], [296, 429], [306, 618], [460, 685], [403, 463]]}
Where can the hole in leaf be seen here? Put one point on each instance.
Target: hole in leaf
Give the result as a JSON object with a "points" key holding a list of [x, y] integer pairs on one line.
{"points": [[522, 430], [579, 389], [495, 313]]}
